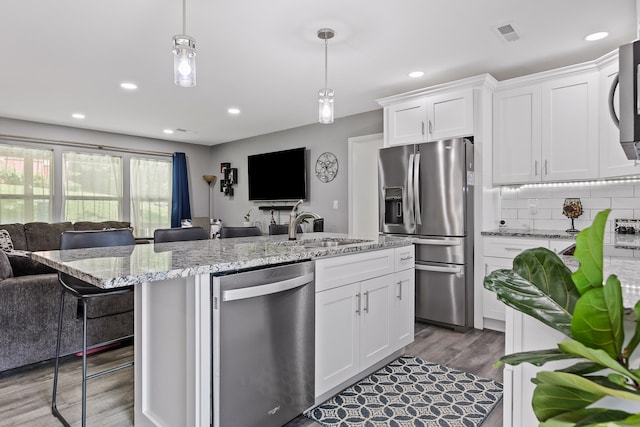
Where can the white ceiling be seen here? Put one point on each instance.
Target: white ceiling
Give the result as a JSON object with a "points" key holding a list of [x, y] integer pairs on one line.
{"points": [[66, 56]]}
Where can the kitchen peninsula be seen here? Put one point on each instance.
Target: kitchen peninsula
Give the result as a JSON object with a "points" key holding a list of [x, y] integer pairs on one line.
{"points": [[173, 304]]}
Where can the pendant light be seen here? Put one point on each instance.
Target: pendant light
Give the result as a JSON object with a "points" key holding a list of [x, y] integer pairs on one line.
{"points": [[184, 55], [325, 95]]}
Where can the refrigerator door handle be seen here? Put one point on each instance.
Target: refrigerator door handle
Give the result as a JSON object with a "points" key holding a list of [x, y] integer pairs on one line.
{"points": [[436, 269], [437, 242], [416, 188], [410, 190]]}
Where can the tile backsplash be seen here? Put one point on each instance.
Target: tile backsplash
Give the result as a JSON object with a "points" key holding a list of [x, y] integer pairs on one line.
{"points": [[541, 208]]}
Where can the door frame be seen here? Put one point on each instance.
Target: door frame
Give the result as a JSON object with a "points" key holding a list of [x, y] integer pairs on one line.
{"points": [[376, 141]]}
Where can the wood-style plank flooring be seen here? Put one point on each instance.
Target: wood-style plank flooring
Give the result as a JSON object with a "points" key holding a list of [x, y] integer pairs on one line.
{"points": [[25, 394]]}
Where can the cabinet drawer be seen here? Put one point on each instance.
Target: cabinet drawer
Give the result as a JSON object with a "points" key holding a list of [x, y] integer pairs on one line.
{"points": [[404, 258], [503, 247], [342, 270]]}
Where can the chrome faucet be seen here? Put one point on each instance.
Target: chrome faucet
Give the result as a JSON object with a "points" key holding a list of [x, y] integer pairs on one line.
{"points": [[296, 218]]}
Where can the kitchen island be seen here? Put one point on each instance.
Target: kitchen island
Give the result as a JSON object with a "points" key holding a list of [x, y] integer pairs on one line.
{"points": [[173, 306]]}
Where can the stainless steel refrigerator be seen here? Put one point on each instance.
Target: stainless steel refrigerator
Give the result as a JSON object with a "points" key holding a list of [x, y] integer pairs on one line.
{"points": [[426, 191]]}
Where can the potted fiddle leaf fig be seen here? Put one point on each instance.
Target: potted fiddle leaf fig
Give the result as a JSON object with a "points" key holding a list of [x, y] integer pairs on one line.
{"points": [[589, 311]]}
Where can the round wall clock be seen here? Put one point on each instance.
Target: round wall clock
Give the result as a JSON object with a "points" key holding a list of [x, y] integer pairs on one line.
{"points": [[326, 167]]}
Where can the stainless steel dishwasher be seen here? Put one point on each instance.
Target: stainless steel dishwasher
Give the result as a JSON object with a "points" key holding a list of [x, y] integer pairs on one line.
{"points": [[263, 345]]}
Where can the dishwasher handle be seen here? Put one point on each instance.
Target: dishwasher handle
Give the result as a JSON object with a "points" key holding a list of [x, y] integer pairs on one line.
{"points": [[269, 288]]}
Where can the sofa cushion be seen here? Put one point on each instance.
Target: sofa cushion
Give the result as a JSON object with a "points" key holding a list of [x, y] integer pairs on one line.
{"points": [[16, 231], [44, 236], [90, 225], [6, 245], [5, 267]]}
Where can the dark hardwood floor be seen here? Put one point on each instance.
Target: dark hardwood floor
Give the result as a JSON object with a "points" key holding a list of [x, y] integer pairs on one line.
{"points": [[25, 394]]}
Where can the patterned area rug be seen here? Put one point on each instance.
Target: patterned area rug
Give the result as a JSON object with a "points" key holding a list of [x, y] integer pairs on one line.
{"points": [[412, 392]]}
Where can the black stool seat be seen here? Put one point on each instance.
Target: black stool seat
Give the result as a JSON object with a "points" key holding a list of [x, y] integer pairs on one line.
{"points": [[179, 234], [84, 291], [226, 232]]}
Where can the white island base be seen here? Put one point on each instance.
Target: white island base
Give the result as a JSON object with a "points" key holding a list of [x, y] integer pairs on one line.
{"points": [[172, 352]]}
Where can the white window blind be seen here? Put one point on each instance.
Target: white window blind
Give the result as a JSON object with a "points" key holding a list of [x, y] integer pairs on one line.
{"points": [[150, 195], [26, 184], [91, 187]]}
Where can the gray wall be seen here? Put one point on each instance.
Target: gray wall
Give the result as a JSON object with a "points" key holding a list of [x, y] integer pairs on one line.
{"points": [[317, 138], [198, 158]]}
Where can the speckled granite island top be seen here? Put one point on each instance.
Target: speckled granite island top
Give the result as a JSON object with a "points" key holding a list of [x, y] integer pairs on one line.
{"points": [[130, 265], [531, 234]]}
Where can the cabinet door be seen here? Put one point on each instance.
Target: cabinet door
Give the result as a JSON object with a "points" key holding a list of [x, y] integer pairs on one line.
{"points": [[337, 336], [375, 320], [516, 136], [402, 308], [613, 161], [492, 307], [570, 128], [405, 122], [450, 115]]}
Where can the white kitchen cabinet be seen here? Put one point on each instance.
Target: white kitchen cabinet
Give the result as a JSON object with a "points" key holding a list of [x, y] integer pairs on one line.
{"points": [[402, 308], [359, 318], [613, 161], [516, 135], [430, 118], [337, 336], [547, 131], [499, 253], [570, 128]]}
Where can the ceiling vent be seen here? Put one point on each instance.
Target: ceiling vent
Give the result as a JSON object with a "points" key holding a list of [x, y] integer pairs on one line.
{"points": [[508, 33]]}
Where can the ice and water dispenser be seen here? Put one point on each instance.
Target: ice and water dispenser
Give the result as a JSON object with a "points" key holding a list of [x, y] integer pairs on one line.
{"points": [[393, 212]]}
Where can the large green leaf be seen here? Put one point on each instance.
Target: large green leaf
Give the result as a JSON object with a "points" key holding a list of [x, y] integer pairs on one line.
{"points": [[546, 291], [586, 417], [537, 357], [557, 393], [598, 318], [635, 339], [548, 273], [589, 254], [595, 355]]}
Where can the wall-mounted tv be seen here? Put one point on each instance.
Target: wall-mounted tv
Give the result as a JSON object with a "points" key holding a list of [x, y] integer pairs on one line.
{"points": [[280, 175]]}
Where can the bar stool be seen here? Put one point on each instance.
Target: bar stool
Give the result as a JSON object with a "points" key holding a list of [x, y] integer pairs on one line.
{"points": [[281, 229], [179, 234], [84, 291], [239, 232]]}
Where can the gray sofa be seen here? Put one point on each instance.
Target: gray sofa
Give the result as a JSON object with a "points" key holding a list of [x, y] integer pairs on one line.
{"points": [[30, 299]]}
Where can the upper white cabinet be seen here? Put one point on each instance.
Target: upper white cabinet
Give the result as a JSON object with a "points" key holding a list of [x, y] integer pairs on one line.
{"points": [[547, 130], [613, 161], [438, 112], [516, 135], [430, 118]]}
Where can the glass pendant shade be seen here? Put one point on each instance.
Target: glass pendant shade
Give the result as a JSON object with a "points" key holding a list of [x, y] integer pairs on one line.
{"points": [[184, 60], [325, 106]]}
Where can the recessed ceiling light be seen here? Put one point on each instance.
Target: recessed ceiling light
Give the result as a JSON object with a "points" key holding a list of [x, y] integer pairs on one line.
{"points": [[415, 74], [128, 86], [233, 110], [78, 116], [596, 36], [168, 131]]}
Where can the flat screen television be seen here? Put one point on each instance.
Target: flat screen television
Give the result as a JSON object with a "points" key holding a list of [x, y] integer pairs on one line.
{"points": [[279, 175]]}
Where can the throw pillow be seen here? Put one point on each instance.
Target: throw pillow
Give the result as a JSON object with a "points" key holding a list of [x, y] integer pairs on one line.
{"points": [[5, 266], [5, 241]]}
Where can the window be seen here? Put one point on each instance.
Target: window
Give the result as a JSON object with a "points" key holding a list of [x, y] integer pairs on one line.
{"points": [[150, 195], [26, 184], [91, 187]]}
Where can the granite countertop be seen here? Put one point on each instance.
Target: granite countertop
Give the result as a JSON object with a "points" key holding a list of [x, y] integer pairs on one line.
{"points": [[120, 266], [531, 234]]}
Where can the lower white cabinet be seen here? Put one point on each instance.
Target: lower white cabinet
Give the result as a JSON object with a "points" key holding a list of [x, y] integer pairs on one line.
{"points": [[360, 323]]}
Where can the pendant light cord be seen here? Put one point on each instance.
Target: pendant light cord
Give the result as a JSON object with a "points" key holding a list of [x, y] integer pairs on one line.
{"points": [[184, 16], [326, 43]]}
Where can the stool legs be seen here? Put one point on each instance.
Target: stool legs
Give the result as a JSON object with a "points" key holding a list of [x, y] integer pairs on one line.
{"points": [[54, 408]]}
